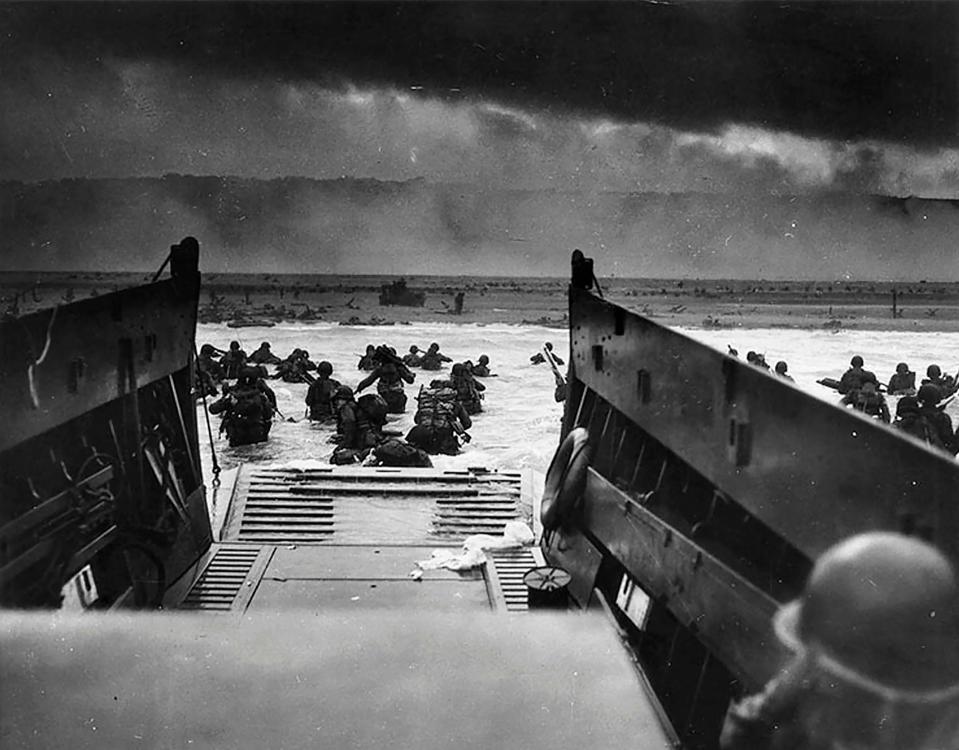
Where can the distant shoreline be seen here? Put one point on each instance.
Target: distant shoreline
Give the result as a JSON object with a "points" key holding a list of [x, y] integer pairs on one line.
{"points": [[711, 304]]}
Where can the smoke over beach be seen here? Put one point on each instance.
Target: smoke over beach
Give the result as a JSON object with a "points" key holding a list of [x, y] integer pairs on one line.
{"points": [[298, 225]]}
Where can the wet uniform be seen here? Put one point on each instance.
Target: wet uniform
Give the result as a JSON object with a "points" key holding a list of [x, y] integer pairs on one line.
{"points": [[319, 398], [902, 383], [854, 378], [468, 392], [433, 360], [209, 373], [390, 385], [233, 361], [293, 369], [247, 414], [945, 383], [263, 356], [941, 424], [367, 361], [438, 421]]}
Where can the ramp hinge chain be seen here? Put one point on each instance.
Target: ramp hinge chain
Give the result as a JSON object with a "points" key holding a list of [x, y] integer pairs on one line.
{"points": [[215, 482]]}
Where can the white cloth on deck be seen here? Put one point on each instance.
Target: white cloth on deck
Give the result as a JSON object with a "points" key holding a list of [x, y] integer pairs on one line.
{"points": [[471, 555]]}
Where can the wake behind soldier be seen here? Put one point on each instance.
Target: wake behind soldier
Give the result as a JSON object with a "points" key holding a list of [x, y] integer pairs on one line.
{"points": [[875, 663]]}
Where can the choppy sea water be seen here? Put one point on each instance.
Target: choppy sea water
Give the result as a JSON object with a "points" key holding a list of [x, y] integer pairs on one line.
{"points": [[520, 425]]}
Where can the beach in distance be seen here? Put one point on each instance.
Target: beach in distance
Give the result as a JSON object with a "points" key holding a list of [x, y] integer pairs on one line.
{"points": [[260, 299]]}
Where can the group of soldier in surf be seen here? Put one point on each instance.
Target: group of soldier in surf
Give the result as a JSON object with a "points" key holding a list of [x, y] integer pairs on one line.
{"points": [[441, 420], [919, 409]]}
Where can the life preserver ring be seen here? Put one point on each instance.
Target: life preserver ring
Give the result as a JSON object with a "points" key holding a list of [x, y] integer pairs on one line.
{"points": [[565, 479]]}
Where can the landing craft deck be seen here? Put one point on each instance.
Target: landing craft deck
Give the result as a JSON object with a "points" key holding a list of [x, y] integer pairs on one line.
{"points": [[328, 538]]}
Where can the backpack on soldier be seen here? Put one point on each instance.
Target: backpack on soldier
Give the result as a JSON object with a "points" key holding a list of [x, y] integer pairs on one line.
{"points": [[394, 452]]}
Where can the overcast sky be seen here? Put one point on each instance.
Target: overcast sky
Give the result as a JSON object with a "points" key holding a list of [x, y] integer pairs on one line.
{"points": [[626, 96]]}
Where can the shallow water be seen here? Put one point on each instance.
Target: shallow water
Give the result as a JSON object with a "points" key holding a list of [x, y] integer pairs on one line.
{"points": [[520, 425]]}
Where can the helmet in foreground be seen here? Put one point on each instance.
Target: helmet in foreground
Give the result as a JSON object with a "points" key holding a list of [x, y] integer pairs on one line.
{"points": [[875, 633], [883, 609]]}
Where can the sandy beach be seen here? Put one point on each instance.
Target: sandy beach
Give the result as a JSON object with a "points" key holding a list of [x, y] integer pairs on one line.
{"points": [[260, 299]]}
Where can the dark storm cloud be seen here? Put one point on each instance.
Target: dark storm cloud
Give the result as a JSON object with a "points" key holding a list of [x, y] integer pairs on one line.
{"points": [[839, 70]]}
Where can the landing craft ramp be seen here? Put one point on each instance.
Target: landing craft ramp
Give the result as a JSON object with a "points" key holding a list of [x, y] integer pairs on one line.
{"points": [[333, 538]]}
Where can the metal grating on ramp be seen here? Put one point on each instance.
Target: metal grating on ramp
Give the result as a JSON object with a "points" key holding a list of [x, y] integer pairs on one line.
{"points": [[462, 516], [271, 515], [221, 584], [504, 574], [346, 505]]}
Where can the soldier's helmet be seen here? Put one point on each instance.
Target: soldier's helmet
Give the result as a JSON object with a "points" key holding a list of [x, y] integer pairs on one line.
{"points": [[483, 359], [324, 368], [907, 405], [877, 625], [207, 349], [929, 394], [856, 361], [781, 367], [414, 349], [343, 393], [902, 368], [883, 605], [933, 371]]}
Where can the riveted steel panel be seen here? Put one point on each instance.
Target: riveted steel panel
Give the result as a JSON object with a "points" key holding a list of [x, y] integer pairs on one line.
{"points": [[58, 366], [813, 472], [729, 614]]}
